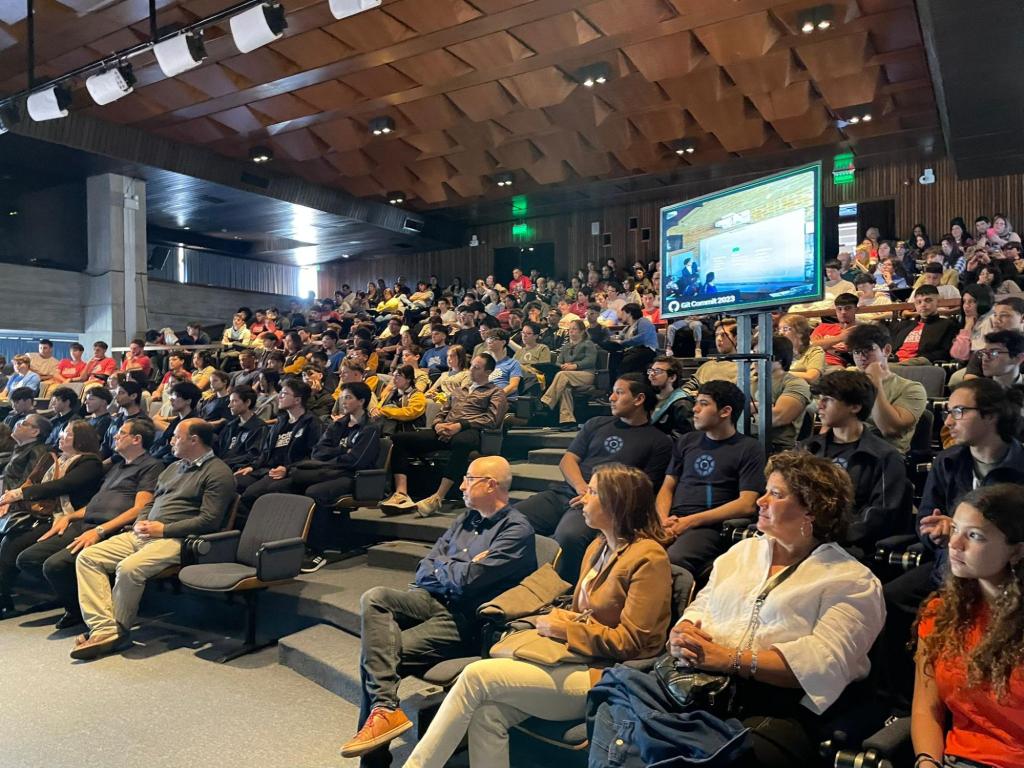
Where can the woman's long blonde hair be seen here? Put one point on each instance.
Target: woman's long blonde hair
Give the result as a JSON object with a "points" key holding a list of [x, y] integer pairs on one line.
{"points": [[628, 496]]}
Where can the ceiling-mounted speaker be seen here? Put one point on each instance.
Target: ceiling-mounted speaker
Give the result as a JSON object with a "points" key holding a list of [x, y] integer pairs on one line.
{"points": [[180, 53], [342, 9], [258, 26]]}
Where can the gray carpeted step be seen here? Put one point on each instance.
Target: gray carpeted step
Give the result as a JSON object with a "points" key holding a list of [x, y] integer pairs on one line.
{"points": [[373, 523], [534, 477], [397, 555], [518, 442], [332, 594], [330, 658], [551, 456]]}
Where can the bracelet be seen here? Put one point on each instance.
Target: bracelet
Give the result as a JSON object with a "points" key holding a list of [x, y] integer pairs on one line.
{"points": [[924, 757], [753, 663], [735, 669]]}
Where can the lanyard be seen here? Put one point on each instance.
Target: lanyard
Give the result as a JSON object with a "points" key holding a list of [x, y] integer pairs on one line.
{"points": [[755, 613]]}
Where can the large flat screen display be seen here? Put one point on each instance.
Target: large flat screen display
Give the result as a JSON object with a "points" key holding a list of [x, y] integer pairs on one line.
{"points": [[755, 245]]}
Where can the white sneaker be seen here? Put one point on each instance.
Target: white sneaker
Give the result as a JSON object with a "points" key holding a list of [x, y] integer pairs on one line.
{"points": [[397, 504], [697, 353], [429, 506]]}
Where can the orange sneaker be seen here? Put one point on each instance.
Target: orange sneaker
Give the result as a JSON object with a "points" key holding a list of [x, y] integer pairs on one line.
{"points": [[381, 726]]}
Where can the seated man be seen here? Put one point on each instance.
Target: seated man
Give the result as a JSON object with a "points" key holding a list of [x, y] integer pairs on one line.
{"points": [[70, 368], [1002, 358], [65, 406], [1007, 315], [927, 338], [639, 345], [29, 437], [247, 374], [882, 493], [97, 400], [831, 337], [932, 275], [435, 359], [321, 399], [717, 370], [99, 367], [790, 397], [23, 402], [128, 397], [456, 427], [673, 413], [184, 397], [716, 474], [487, 550], [240, 439], [176, 371], [625, 437], [507, 371], [192, 497], [44, 365], [127, 488], [577, 363], [136, 359], [899, 402], [23, 376]]}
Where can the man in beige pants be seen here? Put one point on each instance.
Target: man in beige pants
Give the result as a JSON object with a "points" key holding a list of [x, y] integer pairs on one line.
{"points": [[577, 360], [192, 496]]}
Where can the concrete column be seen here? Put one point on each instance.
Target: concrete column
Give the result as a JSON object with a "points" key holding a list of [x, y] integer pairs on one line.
{"points": [[114, 300]]}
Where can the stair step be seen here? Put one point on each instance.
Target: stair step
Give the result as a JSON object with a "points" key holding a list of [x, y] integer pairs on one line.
{"points": [[519, 442], [397, 555], [550, 456], [372, 523], [333, 593], [534, 477], [330, 658]]}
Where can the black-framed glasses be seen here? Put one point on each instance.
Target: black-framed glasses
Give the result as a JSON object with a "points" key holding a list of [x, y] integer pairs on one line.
{"points": [[991, 354], [653, 371], [957, 412]]}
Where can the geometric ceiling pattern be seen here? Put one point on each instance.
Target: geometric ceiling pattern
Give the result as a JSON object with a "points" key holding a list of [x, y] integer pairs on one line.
{"points": [[480, 87]]}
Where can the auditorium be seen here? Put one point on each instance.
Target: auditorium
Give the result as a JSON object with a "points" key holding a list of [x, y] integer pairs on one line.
{"points": [[511, 383]]}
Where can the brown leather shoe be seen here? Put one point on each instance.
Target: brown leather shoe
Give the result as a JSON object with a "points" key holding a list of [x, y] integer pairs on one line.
{"points": [[98, 646], [381, 727]]}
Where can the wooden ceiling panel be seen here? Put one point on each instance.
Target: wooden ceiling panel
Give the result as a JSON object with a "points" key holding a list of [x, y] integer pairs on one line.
{"points": [[391, 152], [378, 81], [497, 6], [789, 102], [172, 94], [483, 135], [525, 122], [770, 72], [491, 51], [808, 125], [394, 177], [548, 170], [302, 144], [342, 135], [665, 57], [312, 49], [837, 57], [240, 120], [432, 16], [567, 30], [661, 124], [517, 154], [353, 162], [433, 113], [370, 31], [740, 39], [483, 102], [430, 193], [361, 186], [468, 186], [214, 80], [472, 162], [263, 65], [283, 108], [540, 88], [329, 95], [702, 85], [433, 67], [432, 142], [591, 164], [906, 67], [613, 17], [900, 31], [632, 93], [432, 171], [852, 90]]}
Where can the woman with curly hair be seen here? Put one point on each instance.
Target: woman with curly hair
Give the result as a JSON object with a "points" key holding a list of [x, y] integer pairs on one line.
{"points": [[969, 692]]}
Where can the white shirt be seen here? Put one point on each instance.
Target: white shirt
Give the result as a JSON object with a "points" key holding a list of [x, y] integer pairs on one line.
{"points": [[823, 619]]}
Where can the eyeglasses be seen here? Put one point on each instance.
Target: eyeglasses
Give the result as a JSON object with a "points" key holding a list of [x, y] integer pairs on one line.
{"points": [[656, 371], [991, 354], [473, 478], [957, 412]]}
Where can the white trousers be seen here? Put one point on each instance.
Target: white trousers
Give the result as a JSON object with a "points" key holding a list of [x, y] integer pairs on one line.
{"points": [[491, 696]]}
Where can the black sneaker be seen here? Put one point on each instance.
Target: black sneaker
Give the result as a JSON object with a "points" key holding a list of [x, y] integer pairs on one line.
{"points": [[69, 620], [312, 563]]}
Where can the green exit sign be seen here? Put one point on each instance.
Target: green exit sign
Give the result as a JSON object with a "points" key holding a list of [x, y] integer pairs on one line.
{"points": [[843, 170]]}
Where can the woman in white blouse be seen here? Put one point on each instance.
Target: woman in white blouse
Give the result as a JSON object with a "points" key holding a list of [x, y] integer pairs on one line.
{"points": [[812, 634]]}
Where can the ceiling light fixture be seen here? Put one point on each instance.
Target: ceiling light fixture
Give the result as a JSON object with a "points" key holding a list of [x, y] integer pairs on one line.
{"points": [[382, 126], [49, 104], [594, 74], [684, 147], [819, 18], [261, 154], [854, 115], [180, 53], [504, 179], [111, 84], [396, 198], [258, 26], [9, 117], [342, 9]]}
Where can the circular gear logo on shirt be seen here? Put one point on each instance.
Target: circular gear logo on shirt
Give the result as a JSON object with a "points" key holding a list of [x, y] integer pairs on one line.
{"points": [[841, 462], [704, 465], [613, 444]]}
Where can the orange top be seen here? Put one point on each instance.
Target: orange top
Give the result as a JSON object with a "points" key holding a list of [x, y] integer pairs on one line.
{"points": [[985, 729]]}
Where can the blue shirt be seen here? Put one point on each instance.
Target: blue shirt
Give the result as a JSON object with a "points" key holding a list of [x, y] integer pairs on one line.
{"points": [[435, 357], [504, 372], [30, 380], [452, 574], [643, 335], [334, 361]]}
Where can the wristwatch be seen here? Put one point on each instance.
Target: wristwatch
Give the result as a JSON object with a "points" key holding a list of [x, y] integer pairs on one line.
{"points": [[100, 532]]}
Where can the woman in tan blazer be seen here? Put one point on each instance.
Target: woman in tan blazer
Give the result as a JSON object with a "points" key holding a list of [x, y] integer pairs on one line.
{"points": [[621, 610]]}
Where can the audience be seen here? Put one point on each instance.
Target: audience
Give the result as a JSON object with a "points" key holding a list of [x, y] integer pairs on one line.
{"points": [[673, 413], [29, 436], [927, 338], [402, 405], [790, 397], [240, 439], [23, 402], [832, 337], [577, 363]]}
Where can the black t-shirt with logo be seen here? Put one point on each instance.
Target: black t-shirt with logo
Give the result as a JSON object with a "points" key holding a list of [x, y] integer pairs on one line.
{"points": [[840, 453], [607, 439], [710, 473]]}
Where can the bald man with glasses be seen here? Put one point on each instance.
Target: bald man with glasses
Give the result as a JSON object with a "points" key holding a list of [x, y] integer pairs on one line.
{"points": [[487, 550]]}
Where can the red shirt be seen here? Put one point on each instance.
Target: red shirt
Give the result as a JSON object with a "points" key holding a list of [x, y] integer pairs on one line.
{"points": [[985, 729], [97, 368], [911, 344], [167, 377], [68, 369], [830, 329], [142, 361], [654, 315], [521, 282]]}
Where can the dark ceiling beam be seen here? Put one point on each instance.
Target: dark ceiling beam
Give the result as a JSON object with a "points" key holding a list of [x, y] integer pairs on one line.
{"points": [[977, 81]]}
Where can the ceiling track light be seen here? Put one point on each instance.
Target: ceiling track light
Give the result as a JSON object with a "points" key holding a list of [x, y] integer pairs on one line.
{"points": [[261, 24], [111, 84], [396, 198], [684, 147], [180, 53], [854, 115], [594, 74], [504, 179], [9, 117], [382, 126], [342, 9], [49, 104], [261, 154], [817, 19]]}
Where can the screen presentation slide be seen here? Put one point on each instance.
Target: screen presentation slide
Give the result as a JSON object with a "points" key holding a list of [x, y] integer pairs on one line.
{"points": [[743, 248]]}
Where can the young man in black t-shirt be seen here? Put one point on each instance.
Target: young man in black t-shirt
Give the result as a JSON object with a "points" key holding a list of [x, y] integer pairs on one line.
{"points": [[716, 474], [626, 437]]}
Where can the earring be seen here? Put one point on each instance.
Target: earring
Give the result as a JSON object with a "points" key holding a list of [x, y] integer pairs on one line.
{"points": [[805, 529]]}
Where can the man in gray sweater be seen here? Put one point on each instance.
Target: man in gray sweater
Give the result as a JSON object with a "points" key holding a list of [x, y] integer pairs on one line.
{"points": [[192, 496], [577, 361]]}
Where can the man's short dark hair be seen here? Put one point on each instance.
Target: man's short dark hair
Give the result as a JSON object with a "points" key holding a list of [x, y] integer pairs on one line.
{"points": [[75, 345], [68, 395], [867, 335], [1012, 340], [984, 218], [133, 388], [186, 390], [833, 264], [246, 393], [298, 387], [47, 342], [926, 290], [639, 385], [849, 387], [633, 310], [41, 423], [934, 268], [360, 391], [102, 393], [22, 393], [863, 277], [329, 335], [140, 342], [489, 362], [782, 351], [1016, 303], [277, 357], [725, 394], [846, 300], [675, 369], [203, 430], [498, 333], [101, 344], [143, 428]]}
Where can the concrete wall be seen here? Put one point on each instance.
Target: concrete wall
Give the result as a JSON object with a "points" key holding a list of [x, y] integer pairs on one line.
{"points": [[36, 299], [174, 304]]}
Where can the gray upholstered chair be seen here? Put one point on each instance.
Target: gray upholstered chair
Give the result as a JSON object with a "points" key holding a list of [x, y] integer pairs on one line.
{"points": [[268, 551]]}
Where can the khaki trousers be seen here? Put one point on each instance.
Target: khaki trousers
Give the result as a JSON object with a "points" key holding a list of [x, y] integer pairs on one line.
{"points": [[490, 697], [133, 560], [561, 389]]}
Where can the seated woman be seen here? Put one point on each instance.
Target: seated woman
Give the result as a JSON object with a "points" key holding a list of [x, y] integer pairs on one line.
{"points": [[808, 359], [620, 611], [214, 406], [969, 689], [811, 636], [457, 375], [975, 321], [402, 406], [268, 387], [202, 369], [70, 482]]}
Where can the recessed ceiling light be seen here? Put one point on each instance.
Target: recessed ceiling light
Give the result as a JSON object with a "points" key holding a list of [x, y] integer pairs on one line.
{"points": [[594, 74], [504, 179], [382, 126], [261, 154]]}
